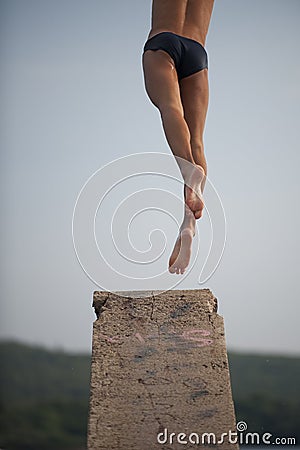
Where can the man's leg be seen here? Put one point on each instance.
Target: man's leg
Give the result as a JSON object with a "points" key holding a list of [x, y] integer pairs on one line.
{"points": [[194, 96], [163, 89], [194, 91]]}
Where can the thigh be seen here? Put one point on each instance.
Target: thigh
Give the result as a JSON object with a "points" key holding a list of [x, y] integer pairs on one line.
{"points": [[161, 79], [194, 96]]}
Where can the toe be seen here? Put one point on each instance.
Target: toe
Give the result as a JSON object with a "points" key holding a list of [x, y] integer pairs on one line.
{"points": [[171, 269]]}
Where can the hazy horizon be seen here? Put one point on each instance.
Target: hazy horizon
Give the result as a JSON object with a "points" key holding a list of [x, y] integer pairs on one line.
{"points": [[73, 100]]}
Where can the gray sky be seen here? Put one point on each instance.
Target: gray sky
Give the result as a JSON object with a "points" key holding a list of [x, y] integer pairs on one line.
{"points": [[73, 100]]}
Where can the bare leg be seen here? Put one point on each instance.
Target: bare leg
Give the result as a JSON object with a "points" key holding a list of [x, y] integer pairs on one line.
{"points": [[163, 89], [194, 96]]}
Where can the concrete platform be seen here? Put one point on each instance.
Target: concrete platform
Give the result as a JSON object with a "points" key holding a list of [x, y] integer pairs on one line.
{"points": [[159, 366]]}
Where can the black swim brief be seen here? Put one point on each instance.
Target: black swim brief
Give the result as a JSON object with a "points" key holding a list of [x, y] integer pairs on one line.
{"points": [[189, 56]]}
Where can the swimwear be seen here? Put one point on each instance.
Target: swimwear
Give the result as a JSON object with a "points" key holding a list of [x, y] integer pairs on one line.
{"points": [[189, 56]]}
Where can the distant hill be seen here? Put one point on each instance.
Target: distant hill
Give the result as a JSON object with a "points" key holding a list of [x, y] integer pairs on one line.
{"points": [[277, 375], [30, 374], [266, 392], [44, 396]]}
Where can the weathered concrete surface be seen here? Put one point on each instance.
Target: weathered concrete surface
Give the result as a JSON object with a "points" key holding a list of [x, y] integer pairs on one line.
{"points": [[159, 362]]}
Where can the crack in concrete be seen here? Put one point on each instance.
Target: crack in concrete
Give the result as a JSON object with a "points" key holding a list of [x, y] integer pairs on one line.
{"points": [[149, 395], [152, 306]]}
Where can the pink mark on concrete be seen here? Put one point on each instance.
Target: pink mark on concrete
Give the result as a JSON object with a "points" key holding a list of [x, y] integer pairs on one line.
{"points": [[191, 335], [112, 340], [140, 338], [197, 336]]}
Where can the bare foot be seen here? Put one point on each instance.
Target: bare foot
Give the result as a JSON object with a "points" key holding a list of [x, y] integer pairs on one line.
{"points": [[192, 189], [180, 258]]}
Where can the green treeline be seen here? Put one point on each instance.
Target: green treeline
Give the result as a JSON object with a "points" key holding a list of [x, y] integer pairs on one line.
{"points": [[44, 396], [266, 392]]}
